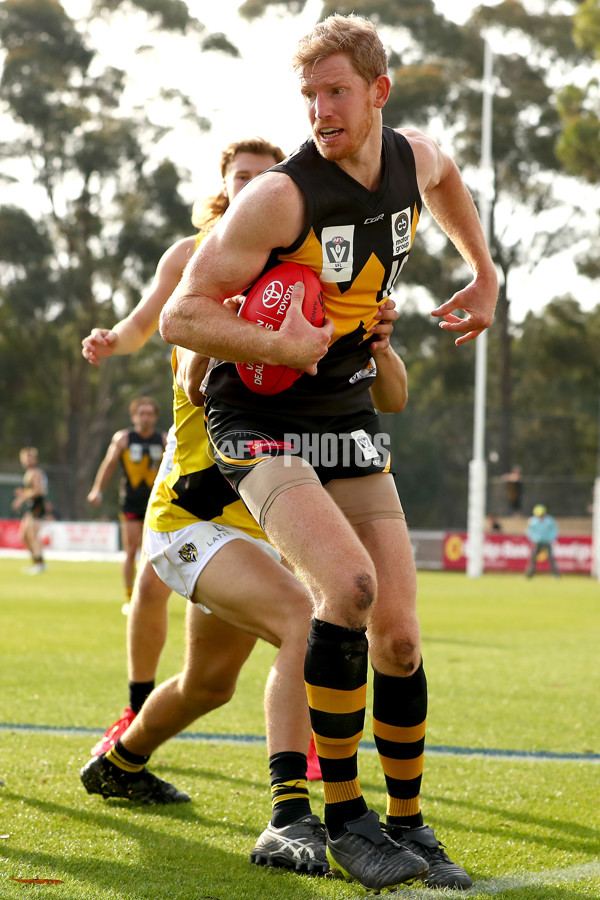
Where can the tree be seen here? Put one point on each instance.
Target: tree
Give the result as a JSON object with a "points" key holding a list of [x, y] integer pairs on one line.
{"points": [[578, 147], [110, 211], [436, 70]]}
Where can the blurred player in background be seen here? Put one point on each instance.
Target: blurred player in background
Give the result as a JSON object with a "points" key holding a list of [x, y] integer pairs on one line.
{"points": [[346, 204], [31, 501], [139, 450]]}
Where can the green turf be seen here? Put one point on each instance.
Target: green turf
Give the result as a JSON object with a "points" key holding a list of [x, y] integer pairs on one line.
{"points": [[511, 664]]}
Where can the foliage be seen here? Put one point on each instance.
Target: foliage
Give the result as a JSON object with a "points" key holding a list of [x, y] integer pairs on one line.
{"points": [[111, 206], [110, 209], [538, 135]]}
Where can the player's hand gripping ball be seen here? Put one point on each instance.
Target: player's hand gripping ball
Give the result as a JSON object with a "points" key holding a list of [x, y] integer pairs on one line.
{"points": [[266, 304]]}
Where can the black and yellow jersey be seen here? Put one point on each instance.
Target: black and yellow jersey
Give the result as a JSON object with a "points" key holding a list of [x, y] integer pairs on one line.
{"points": [[140, 460], [195, 489], [356, 241]]}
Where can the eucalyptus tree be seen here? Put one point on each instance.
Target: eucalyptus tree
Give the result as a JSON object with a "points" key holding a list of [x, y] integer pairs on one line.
{"points": [[436, 70], [93, 208]]}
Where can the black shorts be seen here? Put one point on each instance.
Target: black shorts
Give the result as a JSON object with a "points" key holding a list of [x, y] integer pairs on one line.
{"points": [[36, 507], [345, 446]]}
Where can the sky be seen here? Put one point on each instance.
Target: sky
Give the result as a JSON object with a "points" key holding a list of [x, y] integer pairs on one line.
{"points": [[258, 95]]}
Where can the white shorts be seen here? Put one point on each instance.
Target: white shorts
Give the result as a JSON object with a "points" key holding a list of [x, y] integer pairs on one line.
{"points": [[178, 557]]}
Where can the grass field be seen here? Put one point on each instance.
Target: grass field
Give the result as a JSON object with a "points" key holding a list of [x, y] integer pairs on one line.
{"points": [[512, 665]]}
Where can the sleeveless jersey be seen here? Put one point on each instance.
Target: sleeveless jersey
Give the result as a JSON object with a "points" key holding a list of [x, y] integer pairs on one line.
{"points": [[356, 241], [140, 461], [195, 489], [36, 505]]}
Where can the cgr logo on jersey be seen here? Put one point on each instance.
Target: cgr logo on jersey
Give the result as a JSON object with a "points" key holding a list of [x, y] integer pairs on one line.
{"points": [[337, 243], [188, 553], [401, 231]]}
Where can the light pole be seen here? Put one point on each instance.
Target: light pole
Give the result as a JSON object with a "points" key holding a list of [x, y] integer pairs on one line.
{"points": [[477, 466]]}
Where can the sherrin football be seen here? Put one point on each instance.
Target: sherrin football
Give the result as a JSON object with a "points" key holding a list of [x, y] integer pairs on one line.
{"points": [[266, 304]]}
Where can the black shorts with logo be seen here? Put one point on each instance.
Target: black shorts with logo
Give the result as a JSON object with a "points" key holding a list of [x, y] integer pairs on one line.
{"points": [[345, 446]]}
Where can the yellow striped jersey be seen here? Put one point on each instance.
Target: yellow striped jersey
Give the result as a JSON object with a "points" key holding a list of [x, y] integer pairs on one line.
{"points": [[195, 489]]}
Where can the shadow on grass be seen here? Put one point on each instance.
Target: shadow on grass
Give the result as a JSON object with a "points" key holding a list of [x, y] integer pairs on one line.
{"points": [[211, 775], [171, 865], [236, 879], [570, 836], [180, 812]]}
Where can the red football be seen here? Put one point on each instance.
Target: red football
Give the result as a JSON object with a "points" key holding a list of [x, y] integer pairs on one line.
{"points": [[267, 303]]}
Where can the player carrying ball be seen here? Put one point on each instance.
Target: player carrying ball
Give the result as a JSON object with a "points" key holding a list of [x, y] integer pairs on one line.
{"points": [[346, 204]]}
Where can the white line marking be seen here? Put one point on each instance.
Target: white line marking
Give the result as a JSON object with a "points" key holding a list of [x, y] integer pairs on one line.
{"points": [[493, 887]]}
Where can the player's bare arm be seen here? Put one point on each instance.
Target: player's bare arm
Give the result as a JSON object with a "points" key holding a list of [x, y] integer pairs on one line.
{"points": [[450, 203], [189, 374], [108, 465], [137, 328], [389, 392], [268, 213]]}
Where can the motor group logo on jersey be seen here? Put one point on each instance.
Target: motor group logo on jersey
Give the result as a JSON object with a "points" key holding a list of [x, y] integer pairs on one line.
{"points": [[401, 231], [337, 242]]}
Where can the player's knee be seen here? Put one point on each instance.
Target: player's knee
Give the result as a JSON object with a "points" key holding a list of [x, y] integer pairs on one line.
{"points": [[204, 697], [402, 652], [351, 598]]}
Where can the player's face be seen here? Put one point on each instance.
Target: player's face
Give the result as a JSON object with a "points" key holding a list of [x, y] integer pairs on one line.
{"points": [[341, 106], [28, 459], [144, 419], [243, 168]]}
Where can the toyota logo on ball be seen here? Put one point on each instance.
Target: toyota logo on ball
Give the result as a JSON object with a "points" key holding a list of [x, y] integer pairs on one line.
{"points": [[272, 294]]}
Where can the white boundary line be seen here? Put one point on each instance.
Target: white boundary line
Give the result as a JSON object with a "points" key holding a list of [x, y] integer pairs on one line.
{"points": [[494, 887]]}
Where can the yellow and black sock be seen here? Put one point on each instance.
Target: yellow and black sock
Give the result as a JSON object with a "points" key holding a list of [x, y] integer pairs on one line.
{"points": [[335, 672], [129, 763], [139, 691], [289, 790], [399, 714]]}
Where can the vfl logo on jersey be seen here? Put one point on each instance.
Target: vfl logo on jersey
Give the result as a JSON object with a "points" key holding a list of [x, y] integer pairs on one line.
{"points": [[369, 371], [401, 231], [136, 452], [365, 444], [337, 242], [188, 553]]}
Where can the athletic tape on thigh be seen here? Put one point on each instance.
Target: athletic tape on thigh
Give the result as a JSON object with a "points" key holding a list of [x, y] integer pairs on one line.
{"points": [[368, 498], [259, 488]]}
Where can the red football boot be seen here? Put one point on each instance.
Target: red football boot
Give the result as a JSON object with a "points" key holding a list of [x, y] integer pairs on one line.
{"points": [[114, 732]]}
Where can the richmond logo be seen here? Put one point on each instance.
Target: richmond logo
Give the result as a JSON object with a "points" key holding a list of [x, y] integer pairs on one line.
{"points": [[188, 553]]}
